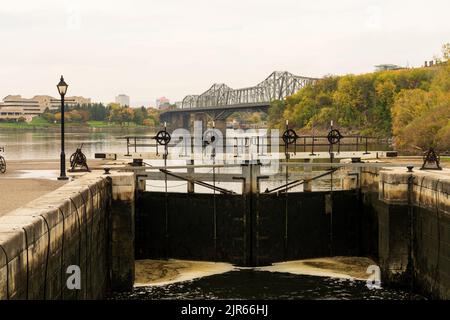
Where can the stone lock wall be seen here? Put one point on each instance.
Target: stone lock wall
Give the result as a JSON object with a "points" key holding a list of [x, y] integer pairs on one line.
{"points": [[123, 231], [412, 212], [71, 226]]}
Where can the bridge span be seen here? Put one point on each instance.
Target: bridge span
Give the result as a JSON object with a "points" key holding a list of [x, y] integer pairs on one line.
{"points": [[220, 101]]}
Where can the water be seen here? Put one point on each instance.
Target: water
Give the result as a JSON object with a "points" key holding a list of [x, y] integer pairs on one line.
{"points": [[43, 144], [252, 284]]}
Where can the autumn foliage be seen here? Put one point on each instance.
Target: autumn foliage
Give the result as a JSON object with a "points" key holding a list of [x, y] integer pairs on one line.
{"points": [[411, 105]]}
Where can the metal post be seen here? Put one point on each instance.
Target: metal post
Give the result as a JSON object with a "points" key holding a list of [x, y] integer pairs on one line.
{"points": [[190, 171], [366, 147], [312, 147], [213, 155], [62, 175], [286, 210], [307, 185]]}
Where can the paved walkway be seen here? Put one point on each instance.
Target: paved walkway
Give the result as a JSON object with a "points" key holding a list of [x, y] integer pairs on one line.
{"points": [[27, 180]]}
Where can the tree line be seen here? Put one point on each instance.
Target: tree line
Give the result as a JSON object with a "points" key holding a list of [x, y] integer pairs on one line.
{"points": [[113, 113], [410, 105]]}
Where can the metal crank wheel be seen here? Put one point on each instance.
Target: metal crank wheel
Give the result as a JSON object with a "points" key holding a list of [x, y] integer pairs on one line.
{"points": [[2, 165], [77, 159], [334, 136], [209, 136], [289, 136], [163, 138]]}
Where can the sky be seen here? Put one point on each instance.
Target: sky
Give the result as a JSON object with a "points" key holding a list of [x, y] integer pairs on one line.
{"points": [[152, 48]]}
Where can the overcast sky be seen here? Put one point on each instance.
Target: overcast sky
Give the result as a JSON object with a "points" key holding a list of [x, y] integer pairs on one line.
{"points": [[153, 48]]}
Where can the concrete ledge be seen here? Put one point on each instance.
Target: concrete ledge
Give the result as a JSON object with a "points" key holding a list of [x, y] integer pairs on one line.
{"points": [[369, 178], [123, 186], [430, 189]]}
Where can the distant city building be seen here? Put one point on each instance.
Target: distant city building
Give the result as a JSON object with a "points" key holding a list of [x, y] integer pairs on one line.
{"points": [[162, 103], [123, 100], [385, 67], [15, 107]]}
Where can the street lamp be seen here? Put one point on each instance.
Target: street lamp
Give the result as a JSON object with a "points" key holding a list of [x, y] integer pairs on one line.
{"points": [[62, 89]]}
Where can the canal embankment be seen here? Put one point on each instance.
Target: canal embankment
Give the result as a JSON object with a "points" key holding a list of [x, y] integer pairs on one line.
{"points": [[79, 230], [410, 214], [102, 223]]}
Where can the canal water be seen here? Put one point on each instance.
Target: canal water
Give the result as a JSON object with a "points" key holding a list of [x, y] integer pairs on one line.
{"points": [[255, 284], [45, 145]]}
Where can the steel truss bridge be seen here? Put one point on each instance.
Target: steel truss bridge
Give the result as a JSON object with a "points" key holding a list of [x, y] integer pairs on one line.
{"points": [[220, 101]]}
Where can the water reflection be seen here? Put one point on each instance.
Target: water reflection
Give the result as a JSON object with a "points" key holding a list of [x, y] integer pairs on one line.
{"points": [[46, 145]]}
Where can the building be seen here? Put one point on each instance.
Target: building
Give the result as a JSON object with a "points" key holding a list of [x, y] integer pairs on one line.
{"points": [[123, 100], [14, 107], [162, 103], [385, 67]]}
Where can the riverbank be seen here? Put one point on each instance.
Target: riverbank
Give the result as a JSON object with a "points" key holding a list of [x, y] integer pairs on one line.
{"points": [[90, 126]]}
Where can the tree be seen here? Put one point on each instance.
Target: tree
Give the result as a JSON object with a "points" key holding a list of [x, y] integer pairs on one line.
{"points": [[138, 116], [149, 122], [144, 112], [127, 114], [97, 112], [115, 115], [275, 113], [73, 116], [50, 117]]}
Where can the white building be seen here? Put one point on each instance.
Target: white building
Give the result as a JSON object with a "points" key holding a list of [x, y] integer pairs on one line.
{"points": [[123, 100], [15, 107]]}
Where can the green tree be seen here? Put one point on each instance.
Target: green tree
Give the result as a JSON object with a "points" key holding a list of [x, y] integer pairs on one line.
{"points": [[127, 114], [138, 116]]}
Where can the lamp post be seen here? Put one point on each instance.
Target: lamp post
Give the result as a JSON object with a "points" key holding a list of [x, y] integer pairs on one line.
{"points": [[62, 89]]}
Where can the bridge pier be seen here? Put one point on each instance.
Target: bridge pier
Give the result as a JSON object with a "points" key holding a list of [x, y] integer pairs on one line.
{"points": [[180, 120], [221, 125], [203, 118]]}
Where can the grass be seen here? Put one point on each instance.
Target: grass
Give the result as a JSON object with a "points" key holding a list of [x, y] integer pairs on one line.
{"points": [[39, 122], [98, 124], [103, 124]]}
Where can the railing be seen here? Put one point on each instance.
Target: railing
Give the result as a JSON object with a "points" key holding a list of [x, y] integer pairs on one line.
{"points": [[288, 177], [302, 143]]}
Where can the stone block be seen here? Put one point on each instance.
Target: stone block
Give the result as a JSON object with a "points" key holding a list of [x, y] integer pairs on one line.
{"points": [[123, 193]]}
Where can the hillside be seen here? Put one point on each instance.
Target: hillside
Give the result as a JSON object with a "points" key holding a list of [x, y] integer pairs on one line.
{"points": [[411, 105]]}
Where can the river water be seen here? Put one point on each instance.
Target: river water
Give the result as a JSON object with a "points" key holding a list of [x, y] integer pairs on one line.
{"points": [[42, 144], [20, 145]]}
